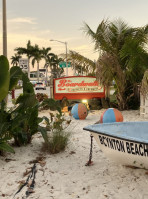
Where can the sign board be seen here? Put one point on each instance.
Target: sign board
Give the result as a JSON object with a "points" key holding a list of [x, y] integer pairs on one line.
{"points": [[63, 64], [23, 63], [77, 87]]}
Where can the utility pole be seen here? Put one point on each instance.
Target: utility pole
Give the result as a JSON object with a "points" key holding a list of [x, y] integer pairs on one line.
{"points": [[66, 60], [4, 33], [4, 29]]}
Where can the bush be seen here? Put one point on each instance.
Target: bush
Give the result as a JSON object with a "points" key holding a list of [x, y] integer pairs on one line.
{"points": [[95, 104], [24, 120], [51, 104], [64, 102], [21, 122], [41, 97], [58, 141], [58, 137]]}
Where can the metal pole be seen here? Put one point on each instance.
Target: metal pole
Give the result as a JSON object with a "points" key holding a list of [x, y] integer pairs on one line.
{"points": [[4, 29], [66, 53], [66, 60], [4, 34], [46, 77]]}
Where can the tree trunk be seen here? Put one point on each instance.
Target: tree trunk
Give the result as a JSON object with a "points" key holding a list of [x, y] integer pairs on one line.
{"points": [[46, 77], [121, 101], [28, 68]]}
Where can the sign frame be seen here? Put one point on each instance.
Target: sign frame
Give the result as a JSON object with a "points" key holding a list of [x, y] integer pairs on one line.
{"points": [[79, 89]]}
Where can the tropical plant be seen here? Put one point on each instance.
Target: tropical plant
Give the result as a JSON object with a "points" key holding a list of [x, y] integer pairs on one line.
{"points": [[56, 71], [81, 64], [21, 121], [24, 117], [57, 142], [47, 57], [15, 59], [8, 80], [46, 54], [28, 51], [41, 96], [49, 103], [122, 58], [4, 77], [37, 56], [144, 85], [4, 129], [58, 137]]}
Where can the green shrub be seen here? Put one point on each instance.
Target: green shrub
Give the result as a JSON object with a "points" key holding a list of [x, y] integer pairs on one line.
{"points": [[41, 96], [8, 80], [95, 104], [58, 141], [58, 138], [21, 121], [49, 103], [5, 124], [24, 118]]}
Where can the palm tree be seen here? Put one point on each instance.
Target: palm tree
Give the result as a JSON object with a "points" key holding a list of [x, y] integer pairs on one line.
{"points": [[46, 56], [15, 59], [37, 56], [56, 71], [28, 52], [122, 57], [81, 63]]}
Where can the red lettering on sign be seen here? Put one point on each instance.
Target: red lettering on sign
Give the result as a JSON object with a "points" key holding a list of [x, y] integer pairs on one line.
{"points": [[63, 83], [61, 89]]}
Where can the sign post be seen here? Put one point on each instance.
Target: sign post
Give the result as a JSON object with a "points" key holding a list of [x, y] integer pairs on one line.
{"points": [[64, 64]]}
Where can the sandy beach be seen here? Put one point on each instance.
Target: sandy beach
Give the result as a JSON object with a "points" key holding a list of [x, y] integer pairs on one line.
{"points": [[65, 176]]}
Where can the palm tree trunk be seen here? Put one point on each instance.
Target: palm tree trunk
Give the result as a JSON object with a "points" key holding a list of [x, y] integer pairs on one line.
{"points": [[46, 75], [28, 68], [81, 71], [38, 71], [73, 63], [121, 102]]}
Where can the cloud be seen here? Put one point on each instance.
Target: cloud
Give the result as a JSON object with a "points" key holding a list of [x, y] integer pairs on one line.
{"points": [[26, 20], [42, 38]]}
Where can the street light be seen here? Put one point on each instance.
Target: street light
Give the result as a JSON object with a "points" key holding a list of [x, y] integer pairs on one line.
{"points": [[66, 53], [4, 29]]}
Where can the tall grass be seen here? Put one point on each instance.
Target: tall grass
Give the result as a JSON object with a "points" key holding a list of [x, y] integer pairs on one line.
{"points": [[57, 142]]}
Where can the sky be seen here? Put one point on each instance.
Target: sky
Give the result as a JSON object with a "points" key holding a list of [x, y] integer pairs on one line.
{"points": [[42, 20]]}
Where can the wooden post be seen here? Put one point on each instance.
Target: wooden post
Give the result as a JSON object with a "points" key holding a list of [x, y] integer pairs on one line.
{"points": [[13, 94]]}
